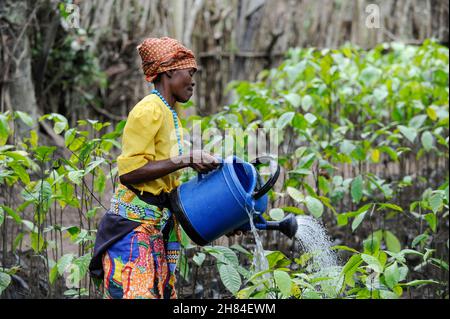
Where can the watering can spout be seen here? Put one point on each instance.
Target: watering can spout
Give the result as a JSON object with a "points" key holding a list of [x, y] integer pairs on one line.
{"points": [[287, 225]]}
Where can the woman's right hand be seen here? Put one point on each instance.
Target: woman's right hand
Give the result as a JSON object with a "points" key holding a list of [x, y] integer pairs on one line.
{"points": [[203, 162]]}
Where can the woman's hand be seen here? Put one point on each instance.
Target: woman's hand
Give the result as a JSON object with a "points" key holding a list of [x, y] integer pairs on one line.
{"points": [[203, 162]]}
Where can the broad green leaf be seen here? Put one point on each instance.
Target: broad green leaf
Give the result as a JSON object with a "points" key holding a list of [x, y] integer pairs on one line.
{"points": [[307, 161], [34, 138], [349, 269], [420, 238], [246, 292], [342, 219], [223, 254], [17, 241], [417, 121], [370, 75], [76, 143], [25, 118], [314, 205], [352, 264], [428, 253], [76, 176], [372, 243], [29, 225], [409, 132], [92, 212], [357, 221], [82, 263], [347, 147], [386, 294], [398, 291], [341, 247], [372, 262], [375, 155], [21, 172], [59, 127], [53, 274], [294, 99], [5, 280], [37, 241], [277, 259], [432, 221], [240, 249], [391, 206], [446, 194], [432, 113], [64, 262], [276, 214], [420, 283], [285, 119], [295, 194], [440, 263], [12, 213], [283, 282], [4, 129], [392, 242], [294, 210], [183, 267], [73, 276], [357, 189], [92, 165], [230, 278], [44, 153], [100, 182], [436, 202], [311, 118], [392, 275], [307, 102], [69, 136], [427, 140], [380, 93], [60, 121], [199, 258], [388, 150]]}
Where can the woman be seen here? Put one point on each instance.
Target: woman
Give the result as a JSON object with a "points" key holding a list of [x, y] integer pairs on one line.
{"points": [[138, 240]]}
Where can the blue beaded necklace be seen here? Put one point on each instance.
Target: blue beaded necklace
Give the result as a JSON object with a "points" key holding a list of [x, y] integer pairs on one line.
{"points": [[175, 120]]}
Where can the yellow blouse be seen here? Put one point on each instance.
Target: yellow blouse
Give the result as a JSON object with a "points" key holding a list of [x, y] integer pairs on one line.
{"points": [[149, 135]]}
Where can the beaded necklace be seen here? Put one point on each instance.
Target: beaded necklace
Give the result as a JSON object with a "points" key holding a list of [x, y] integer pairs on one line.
{"points": [[175, 120]]}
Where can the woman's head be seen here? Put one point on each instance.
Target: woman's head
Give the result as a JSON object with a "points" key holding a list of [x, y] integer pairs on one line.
{"points": [[166, 59], [179, 81]]}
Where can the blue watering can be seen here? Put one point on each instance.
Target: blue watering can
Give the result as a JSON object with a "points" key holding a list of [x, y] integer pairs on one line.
{"points": [[211, 205]]}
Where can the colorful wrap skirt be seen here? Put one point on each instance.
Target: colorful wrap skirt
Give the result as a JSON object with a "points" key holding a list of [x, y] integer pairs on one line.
{"points": [[142, 264]]}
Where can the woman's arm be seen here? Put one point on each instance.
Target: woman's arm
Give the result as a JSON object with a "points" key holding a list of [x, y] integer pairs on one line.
{"points": [[157, 169]]}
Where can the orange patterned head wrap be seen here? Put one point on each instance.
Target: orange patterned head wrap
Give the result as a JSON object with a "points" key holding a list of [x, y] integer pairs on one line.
{"points": [[164, 54]]}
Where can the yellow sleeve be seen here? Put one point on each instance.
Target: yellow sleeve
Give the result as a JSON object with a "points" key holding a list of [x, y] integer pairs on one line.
{"points": [[138, 140]]}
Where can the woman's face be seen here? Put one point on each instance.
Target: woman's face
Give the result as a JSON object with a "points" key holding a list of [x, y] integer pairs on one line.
{"points": [[182, 84]]}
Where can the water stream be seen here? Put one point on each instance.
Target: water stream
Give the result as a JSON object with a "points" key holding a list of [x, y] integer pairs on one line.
{"points": [[260, 262], [311, 239]]}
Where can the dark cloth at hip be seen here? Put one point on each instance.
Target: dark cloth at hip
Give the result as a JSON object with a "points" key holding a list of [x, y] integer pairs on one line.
{"points": [[113, 227]]}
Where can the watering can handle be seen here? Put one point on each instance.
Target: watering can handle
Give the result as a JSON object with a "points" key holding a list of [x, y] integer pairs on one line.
{"points": [[272, 180]]}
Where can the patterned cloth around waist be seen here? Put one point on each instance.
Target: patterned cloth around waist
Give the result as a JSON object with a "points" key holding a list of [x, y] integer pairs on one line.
{"points": [[128, 205], [142, 264]]}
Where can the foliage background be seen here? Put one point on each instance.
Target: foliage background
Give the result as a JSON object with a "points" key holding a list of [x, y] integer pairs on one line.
{"points": [[364, 147]]}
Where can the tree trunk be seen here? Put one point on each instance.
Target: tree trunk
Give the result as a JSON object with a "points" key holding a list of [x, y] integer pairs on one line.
{"points": [[17, 89]]}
